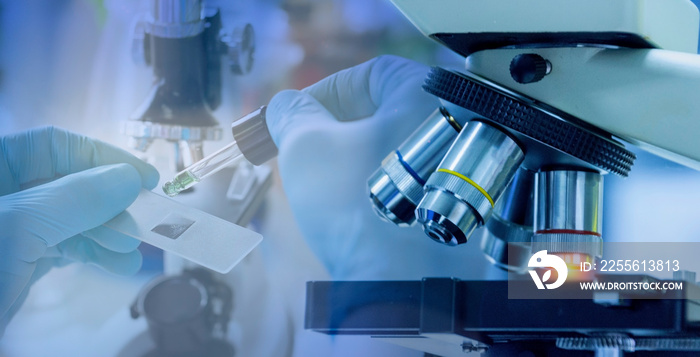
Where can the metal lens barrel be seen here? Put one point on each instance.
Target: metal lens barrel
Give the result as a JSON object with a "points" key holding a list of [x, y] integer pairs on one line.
{"points": [[460, 195], [508, 233], [397, 186], [569, 212]]}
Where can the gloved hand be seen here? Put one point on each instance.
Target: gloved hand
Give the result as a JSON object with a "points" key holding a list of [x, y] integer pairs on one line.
{"points": [[56, 189], [331, 137]]}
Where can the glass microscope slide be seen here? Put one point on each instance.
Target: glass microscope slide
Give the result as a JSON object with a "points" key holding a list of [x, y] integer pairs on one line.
{"points": [[190, 233]]}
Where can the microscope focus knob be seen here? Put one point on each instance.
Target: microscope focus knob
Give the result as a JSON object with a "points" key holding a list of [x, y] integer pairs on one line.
{"points": [[529, 68], [241, 49]]}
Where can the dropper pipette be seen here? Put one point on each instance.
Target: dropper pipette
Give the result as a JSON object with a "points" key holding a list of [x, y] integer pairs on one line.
{"points": [[252, 141], [198, 171]]}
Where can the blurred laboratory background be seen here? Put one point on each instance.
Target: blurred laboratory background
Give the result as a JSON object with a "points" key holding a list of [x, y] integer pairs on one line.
{"points": [[79, 65]]}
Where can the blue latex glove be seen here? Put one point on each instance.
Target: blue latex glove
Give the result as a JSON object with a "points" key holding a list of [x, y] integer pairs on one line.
{"points": [[56, 189], [331, 137]]}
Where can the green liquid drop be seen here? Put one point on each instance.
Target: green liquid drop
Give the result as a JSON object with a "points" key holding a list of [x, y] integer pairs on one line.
{"points": [[179, 183]]}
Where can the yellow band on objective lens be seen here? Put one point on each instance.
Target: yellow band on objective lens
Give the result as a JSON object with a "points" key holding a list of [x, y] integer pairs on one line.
{"points": [[465, 178]]}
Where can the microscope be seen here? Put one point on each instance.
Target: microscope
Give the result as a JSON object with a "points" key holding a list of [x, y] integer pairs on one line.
{"points": [[188, 48], [551, 93], [184, 42]]}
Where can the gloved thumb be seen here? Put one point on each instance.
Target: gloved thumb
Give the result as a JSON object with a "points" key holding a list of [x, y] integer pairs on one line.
{"points": [[44, 216], [293, 111]]}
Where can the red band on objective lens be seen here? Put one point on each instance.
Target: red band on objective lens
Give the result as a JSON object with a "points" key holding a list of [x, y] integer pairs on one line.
{"points": [[567, 231]]}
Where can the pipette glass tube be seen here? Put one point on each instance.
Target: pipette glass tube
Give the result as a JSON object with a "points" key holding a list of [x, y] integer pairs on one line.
{"points": [[188, 177]]}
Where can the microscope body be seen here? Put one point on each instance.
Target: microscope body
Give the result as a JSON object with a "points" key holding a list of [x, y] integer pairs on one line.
{"points": [[549, 92], [188, 48], [526, 132], [625, 67], [185, 44]]}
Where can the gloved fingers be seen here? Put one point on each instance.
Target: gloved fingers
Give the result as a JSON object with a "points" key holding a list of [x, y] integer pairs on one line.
{"points": [[358, 92], [63, 208], [85, 250], [48, 152], [387, 89], [112, 240], [325, 174], [291, 111]]}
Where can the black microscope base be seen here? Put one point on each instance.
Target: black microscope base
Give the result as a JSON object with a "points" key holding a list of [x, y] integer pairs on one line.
{"points": [[443, 315]]}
